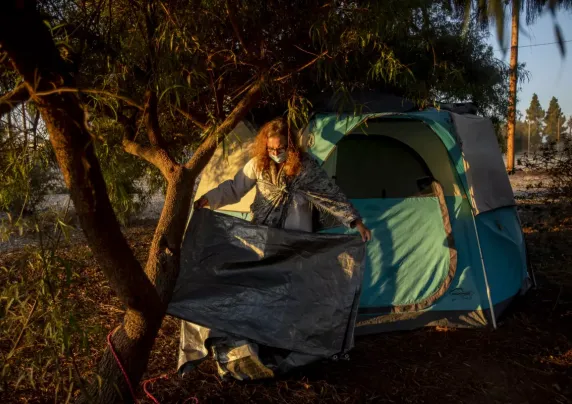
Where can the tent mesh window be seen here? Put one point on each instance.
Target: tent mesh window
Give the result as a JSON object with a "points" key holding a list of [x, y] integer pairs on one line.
{"points": [[373, 166]]}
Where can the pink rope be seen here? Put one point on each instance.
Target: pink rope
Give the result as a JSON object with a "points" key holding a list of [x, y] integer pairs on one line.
{"points": [[146, 382], [165, 376], [119, 364]]}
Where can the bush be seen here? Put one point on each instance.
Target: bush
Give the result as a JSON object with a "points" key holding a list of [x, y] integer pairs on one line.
{"points": [[29, 174], [130, 180], [27, 177], [42, 329], [555, 160]]}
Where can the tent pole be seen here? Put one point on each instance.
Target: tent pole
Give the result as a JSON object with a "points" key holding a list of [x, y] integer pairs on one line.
{"points": [[493, 316], [473, 210], [529, 269]]}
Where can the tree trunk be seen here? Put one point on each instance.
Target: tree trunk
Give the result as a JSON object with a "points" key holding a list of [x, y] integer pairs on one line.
{"points": [[512, 89], [145, 293], [25, 128], [38, 61], [35, 130], [134, 340]]}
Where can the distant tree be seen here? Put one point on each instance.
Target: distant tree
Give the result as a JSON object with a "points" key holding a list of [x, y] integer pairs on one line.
{"points": [[494, 10], [554, 120], [534, 117], [521, 136], [569, 124]]}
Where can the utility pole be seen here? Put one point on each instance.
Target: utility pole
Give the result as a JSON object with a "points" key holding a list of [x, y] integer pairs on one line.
{"points": [[528, 144], [511, 121]]}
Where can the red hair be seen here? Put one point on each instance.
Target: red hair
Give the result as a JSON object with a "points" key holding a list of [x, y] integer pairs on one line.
{"points": [[277, 128]]}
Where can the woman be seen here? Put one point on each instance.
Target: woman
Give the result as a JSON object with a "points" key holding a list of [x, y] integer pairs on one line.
{"points": [[289, 183]]}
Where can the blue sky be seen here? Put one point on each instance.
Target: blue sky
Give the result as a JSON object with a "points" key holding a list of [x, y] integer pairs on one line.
{"points": [[550, 74]]}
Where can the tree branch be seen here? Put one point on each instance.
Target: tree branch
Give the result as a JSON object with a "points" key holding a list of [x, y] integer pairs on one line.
{"points": [[60, 90], [12, 99], [218, 92], [152, 154], [206, 150], [151, 26], [96, 43], [197, 118], [310, 63], [129, 124], [230, 11], [152, 120]]}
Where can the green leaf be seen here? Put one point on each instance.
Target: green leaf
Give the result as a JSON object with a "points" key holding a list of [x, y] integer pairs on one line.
{"points": [[68, 269], [99, 381], [5, 369], [9, 304], [58, 26], [498, 12], [65, 228], [169, 89], [70, 391], [560, 39], [19, 380], [31, 378]]}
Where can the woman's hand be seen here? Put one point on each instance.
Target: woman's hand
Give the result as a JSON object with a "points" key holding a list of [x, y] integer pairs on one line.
{"points": [[201, 203], [364, 231]]}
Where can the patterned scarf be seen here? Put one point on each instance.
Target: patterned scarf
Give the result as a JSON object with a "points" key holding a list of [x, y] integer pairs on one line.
{"points": [[276, 191]]}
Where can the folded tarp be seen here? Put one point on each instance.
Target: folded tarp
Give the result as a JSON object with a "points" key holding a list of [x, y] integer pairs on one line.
{"points": [[291, 290]]}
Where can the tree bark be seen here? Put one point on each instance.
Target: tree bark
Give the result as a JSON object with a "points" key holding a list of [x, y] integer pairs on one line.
{"points": [[196, 118], [512, 89], [37, 60], [134, 341], [145, 293], [164, 256]]}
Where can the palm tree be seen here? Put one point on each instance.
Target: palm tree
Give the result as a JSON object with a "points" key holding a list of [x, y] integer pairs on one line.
{"points": [[511, 125], [493, 11]]}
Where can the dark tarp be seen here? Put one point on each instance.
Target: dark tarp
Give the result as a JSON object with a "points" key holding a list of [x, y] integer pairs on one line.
{"points": [[246, 285]]}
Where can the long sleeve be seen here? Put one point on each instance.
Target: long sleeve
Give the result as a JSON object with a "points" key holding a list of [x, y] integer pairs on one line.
{"points": [[322, 192], [232, 191]]}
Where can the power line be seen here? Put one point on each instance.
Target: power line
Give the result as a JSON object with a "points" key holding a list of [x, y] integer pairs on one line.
{"points": [[533, 45]]}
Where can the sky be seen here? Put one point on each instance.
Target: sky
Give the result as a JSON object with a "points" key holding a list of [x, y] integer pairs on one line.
{"points": [[550, 73]]}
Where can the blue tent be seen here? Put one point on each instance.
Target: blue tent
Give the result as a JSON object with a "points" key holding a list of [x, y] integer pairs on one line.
{"points": [[447, 245]]}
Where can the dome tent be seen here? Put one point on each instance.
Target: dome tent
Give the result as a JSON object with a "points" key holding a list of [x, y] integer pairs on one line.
{"points": [[447, 245]]}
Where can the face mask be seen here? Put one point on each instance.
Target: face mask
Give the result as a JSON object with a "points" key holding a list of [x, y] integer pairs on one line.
{"points": [[280, 158]]}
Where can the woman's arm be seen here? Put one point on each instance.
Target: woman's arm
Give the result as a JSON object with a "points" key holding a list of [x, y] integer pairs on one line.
{"points": [[319, 188], [230, 191]]}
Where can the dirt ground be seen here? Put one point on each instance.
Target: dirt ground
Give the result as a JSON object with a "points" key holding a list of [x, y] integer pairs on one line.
{"points": [[528, 359]]}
